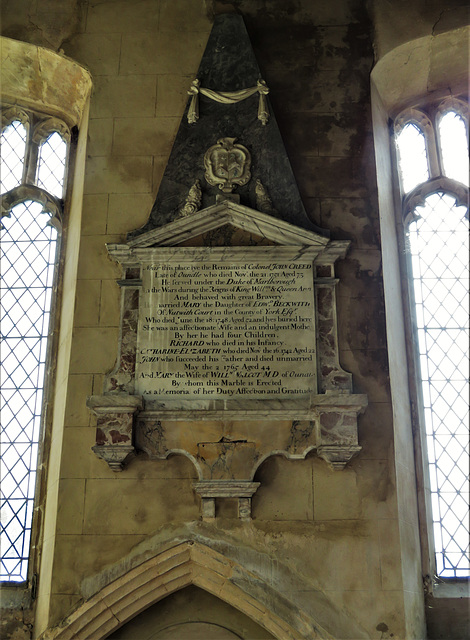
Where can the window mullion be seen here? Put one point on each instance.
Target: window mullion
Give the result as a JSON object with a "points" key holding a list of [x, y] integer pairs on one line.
{"points": [[434, 161], [31, 163]]}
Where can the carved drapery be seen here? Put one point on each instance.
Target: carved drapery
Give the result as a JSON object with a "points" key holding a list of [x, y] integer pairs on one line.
{"points": [[228, 97]]}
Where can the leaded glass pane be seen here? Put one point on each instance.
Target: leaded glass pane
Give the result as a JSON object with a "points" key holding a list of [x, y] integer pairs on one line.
{"points": [[51, 164], [12, 152], [440, 263], [454, 146], [27, 258], [413, 159]]}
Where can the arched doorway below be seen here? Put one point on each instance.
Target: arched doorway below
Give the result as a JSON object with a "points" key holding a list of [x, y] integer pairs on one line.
{"points": [[191, 614], [195, 631]]}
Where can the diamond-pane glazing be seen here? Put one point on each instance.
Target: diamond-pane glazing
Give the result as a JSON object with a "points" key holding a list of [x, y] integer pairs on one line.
{"points": [[27, 259], [439, 247], [413, 158], [51, 164], [12, 152]]}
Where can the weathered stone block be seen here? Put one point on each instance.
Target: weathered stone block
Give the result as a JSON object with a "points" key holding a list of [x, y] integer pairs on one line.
{"points": [[127, 211], [80, 556], [275, 499], [98, 52], [370, 372], [70, 506], [148, 136], [100, 136], [330, 177], [85, 358], [94, 210], [390, 571], [76, 459], [375, 431], [159, 502], [351, 219], [87, 303], [339, 134], [119, 175], [184, 15], [362, 322], [93, 259], [150, 53], [122, 17], [76, 413], [124, 96], [172, 94], [109, 304]]}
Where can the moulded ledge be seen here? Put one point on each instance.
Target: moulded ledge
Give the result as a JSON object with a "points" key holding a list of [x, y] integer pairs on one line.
{"points": [[115, 402]]}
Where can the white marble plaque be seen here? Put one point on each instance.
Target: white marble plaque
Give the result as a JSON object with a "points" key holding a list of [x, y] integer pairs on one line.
{"points": [[233, 324]]}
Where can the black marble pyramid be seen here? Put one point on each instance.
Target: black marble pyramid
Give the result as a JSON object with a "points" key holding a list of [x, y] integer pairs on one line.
{"points": [[228, 65]]}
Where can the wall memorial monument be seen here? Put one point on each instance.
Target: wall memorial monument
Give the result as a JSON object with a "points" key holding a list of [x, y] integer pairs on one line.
{"points": [[228, 349]]}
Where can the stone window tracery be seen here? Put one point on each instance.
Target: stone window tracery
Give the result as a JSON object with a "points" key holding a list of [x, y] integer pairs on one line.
{"points": [[34, 153], [432, 150]]}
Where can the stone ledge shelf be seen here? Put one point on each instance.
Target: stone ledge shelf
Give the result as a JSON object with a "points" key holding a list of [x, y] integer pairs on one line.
{"points": [[209, 490], [243, 439]]}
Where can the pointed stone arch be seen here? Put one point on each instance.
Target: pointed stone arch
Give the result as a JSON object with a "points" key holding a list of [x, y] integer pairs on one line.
{"points": [[187, 563]]}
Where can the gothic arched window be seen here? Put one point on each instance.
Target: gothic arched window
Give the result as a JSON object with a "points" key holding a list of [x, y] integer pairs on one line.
{"points": [[34, 153], [433, 166]]}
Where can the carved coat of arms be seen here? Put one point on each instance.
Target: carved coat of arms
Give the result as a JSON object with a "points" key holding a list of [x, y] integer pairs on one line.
{"points": [[227, 164]]}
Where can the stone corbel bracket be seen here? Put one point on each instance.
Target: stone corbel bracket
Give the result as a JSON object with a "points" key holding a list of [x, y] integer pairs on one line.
{"points": [[231, 445], [114, 428], [228, 447], [209, 490], [336, 426]]}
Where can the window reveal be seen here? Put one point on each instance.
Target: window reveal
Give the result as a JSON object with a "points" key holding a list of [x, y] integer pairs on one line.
{"points": [[433, 165], [31, 147]]}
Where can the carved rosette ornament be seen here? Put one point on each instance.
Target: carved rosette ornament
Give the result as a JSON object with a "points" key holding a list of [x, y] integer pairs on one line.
{"points": [[227, 164]]}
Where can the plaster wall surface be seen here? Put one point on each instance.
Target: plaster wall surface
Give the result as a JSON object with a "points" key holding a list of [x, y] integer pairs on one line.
{"points": [[329, 541], [397, 23]]}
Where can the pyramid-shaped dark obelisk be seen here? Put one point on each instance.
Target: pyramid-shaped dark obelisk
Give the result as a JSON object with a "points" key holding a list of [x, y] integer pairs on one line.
{"points": [[228, 65]]}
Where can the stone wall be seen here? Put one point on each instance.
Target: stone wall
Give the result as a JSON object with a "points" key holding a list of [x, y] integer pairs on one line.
{"points": [[330, 541]]}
